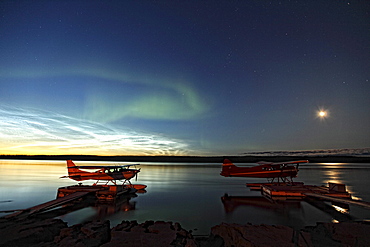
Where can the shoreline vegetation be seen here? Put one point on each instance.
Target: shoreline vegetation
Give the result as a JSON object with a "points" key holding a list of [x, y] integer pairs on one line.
{"points": [[195, 159]]}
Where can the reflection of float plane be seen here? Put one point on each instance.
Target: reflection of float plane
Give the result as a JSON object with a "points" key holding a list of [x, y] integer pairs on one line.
{"points": [[269, 170], [107, 173]]}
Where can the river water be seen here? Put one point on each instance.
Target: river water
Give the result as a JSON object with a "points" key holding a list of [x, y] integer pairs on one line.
{"points": [[186, 193]]}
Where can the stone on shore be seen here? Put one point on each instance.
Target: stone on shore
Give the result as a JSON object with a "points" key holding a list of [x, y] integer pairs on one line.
{"points": [[29, 232], [340, 234], [150, 233], [54, 232], [94, 233], [323, 234], [254, 235]]}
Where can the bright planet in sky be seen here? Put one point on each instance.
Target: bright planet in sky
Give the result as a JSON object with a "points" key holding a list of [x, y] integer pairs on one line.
{"points": [[323, 114]]}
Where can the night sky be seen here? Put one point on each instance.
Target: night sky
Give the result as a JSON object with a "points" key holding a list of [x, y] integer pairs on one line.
{"points": [[183, 77]]}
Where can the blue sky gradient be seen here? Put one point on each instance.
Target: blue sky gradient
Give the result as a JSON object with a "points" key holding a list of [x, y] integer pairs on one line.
{"points": [[199, 78]]}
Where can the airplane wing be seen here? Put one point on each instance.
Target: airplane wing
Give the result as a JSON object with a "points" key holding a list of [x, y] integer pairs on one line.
{"points": [[265, 163], [293, 162], [106, 167], [281, 163]]}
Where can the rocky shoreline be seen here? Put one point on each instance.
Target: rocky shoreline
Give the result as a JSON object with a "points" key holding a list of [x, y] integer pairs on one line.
{"points": [[54, 232]]}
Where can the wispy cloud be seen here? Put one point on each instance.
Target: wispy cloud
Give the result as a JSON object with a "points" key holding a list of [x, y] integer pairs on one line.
{"points": [[32, 131]]}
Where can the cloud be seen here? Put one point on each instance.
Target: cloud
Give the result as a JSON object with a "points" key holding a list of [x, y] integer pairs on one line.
{"points": [[32, 131]]}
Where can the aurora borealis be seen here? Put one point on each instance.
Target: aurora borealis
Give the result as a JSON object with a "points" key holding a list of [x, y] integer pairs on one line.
{"points": [[183, 77]]}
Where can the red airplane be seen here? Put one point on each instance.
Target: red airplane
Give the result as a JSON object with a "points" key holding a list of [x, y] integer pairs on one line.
{"points": [[107, 173], [269, 170]]}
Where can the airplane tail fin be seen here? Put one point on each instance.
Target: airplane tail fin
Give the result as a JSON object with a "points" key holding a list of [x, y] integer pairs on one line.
{"points": [[73, 170], [226, 167]]}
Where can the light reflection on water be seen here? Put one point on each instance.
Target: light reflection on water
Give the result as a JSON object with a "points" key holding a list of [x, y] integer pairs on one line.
{"points": [[186, 193]]}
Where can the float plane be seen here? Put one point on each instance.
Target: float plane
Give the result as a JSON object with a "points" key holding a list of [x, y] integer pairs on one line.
{"points": [[106, 173], [281, 170]]}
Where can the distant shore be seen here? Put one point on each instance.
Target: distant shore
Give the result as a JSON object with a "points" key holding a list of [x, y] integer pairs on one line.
{"points": [[194, 159]]}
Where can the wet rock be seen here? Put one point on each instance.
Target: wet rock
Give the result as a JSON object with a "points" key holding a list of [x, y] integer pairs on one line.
{"points": [[94, 233], [29, 232], [150, 233], [323, 234], [209, 241], [339, 234], [54, 232], [254, 235]]}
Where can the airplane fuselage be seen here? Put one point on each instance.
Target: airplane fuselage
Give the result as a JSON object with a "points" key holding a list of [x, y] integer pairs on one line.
{"points": [[104, 176], [265, 170], [108, 173]]}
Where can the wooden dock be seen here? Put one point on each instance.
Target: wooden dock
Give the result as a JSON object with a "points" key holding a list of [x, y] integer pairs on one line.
{"points": [[335, 193], [65, 191], [258, 186], [65, 195], [340, 200], [112, 193], [104, 193], [47, 205], [300, 191]]}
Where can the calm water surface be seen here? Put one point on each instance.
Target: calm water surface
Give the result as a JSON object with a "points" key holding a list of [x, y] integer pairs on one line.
{"points": [[186, 193]]}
